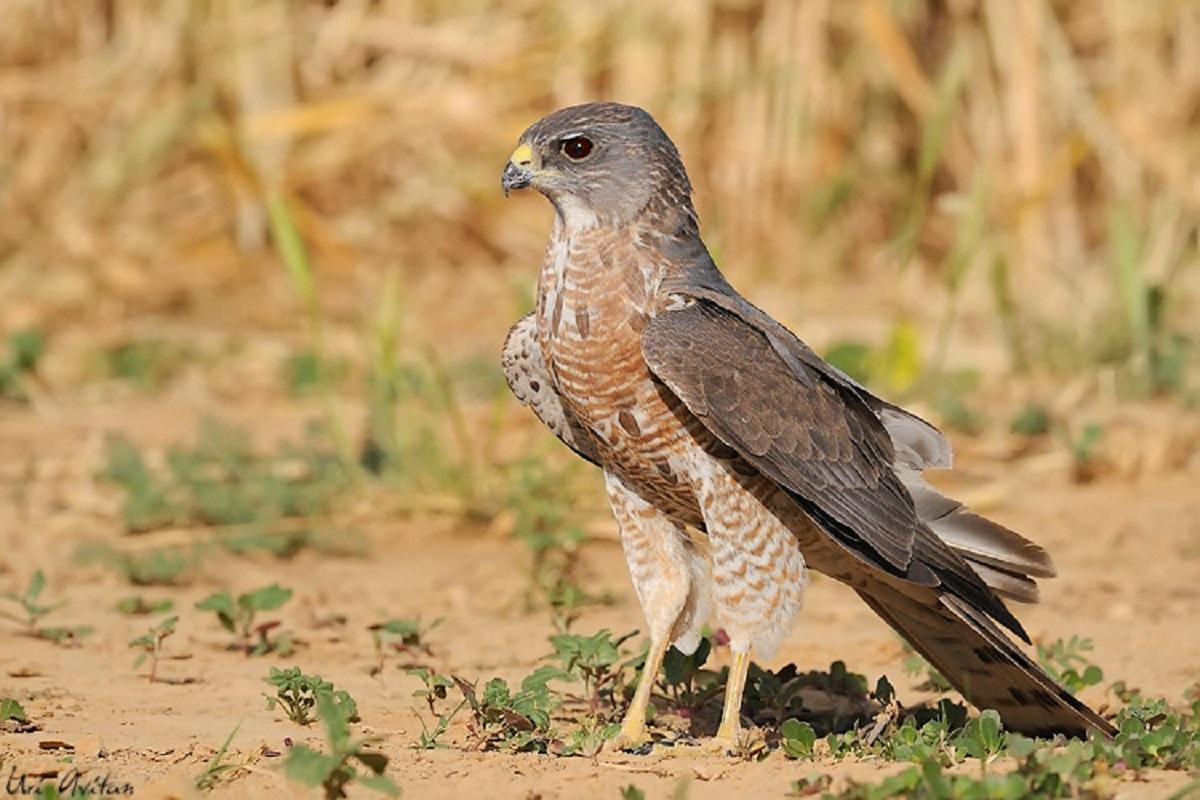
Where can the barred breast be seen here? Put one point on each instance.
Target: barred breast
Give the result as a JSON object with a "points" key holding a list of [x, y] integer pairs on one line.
{"points": [[593, 301]]}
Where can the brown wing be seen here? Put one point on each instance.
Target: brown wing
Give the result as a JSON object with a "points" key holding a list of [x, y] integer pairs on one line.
{"points": [[792, 426], [813, 436]]}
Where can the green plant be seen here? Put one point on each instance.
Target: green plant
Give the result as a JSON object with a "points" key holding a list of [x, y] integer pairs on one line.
{"points": [[29, 604], [306, 374], [773, 696], [548, 521], [217, 768], [32, 612], [632, 792], [150, 644], [435, 688], [335, 770], [1083, 446], [299, 694], [136, 605], [679, 678], [11, 709], [1032, 420], [221, 481], [24, 351], [592, 660], [797, 738], [502, 719], [145, 363], [1068, 664], [158, 566], [401, 636], [588, 738], [239, 617]]}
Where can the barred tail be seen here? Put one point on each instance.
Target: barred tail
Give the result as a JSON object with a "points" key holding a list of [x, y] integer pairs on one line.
{"points": [[981, 663]]}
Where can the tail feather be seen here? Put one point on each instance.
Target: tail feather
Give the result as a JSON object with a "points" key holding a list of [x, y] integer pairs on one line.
{"points": [[1005, 560], [983, 664]]}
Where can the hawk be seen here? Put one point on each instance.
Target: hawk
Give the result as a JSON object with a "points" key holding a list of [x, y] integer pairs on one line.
{"points": [[705, 413]]}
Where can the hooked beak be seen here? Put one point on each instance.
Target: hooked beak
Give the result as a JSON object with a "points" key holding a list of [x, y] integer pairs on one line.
{"points": [[518, 172]]}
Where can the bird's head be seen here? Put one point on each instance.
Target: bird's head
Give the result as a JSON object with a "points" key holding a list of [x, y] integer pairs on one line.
{"points": [[599, 163]]}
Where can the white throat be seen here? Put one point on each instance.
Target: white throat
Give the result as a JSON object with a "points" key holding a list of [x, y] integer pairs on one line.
{"points": [[575, 216]]}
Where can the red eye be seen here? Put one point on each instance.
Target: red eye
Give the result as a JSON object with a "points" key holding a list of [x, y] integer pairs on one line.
{"points": [[577, 147]]}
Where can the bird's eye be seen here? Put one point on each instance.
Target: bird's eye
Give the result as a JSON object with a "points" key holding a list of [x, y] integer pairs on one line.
{"points": [[577, 147]]}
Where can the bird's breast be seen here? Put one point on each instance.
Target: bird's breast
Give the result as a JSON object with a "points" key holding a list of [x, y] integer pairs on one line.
{"points": [[592, 309]]}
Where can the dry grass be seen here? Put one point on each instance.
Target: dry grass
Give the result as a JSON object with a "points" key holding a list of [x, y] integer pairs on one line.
{"points": [[1035, 163]]}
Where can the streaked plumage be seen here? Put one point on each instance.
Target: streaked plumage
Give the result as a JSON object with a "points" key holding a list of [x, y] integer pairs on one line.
{"points": [[705, 412]]}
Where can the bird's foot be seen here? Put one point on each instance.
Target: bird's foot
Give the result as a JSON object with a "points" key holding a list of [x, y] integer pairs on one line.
{"points": [[632, 736]]}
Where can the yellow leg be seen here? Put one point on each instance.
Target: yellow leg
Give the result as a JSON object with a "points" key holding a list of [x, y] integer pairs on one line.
{"points": [[731, 723], [633, 727]]}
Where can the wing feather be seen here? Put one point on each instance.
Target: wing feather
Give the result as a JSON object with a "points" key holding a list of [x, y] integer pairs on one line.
{"points": [[814, 435]]}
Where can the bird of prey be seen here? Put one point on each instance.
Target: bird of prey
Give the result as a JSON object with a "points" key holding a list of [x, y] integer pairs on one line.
{"points": [[705, 413]]}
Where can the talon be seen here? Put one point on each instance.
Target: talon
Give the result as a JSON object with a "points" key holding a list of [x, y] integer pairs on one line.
{"points": [[723, 743], [631, 737]]}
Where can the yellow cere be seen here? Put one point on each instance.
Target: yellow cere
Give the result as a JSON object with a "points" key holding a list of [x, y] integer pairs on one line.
{"points": [[522, 156]]}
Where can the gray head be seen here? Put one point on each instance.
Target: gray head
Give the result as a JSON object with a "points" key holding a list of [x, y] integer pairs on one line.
{"points": [[600, 163]]}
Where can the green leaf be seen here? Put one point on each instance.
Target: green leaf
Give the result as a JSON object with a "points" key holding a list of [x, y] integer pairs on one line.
{"points": [[11, 709], [222, 604], [542, 675], [380, 783], [798, 738], [307, 766], [267, 598], [36, 584]]}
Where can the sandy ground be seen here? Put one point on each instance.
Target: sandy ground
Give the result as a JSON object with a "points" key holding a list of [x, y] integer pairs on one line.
{"points": [[1128, 552], [1127, 546]]}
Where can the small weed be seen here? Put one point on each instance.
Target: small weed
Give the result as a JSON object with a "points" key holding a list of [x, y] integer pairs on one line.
{"points": [[299, 694], [797, 738], [32, 612], [1032, 420], [950, 396], [158, 566], [24, 351], [774, 696], [632, 792], [1068, 664], [335, 770], [588, 738], [1083, 446], [150, 644], [239, 617], [145, 363], [306, 374], [11, 709], [684, 680], [136, 605], [434, 691], [811, 785], [28, 602], [1150, 735], [221, 481], [217, 769], [594, 661], [518, 722], [895, 366], [549, 522], [401, 636]]}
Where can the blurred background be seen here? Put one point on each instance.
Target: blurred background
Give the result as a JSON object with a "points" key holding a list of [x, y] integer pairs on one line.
{"points": [[280, 211]]}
